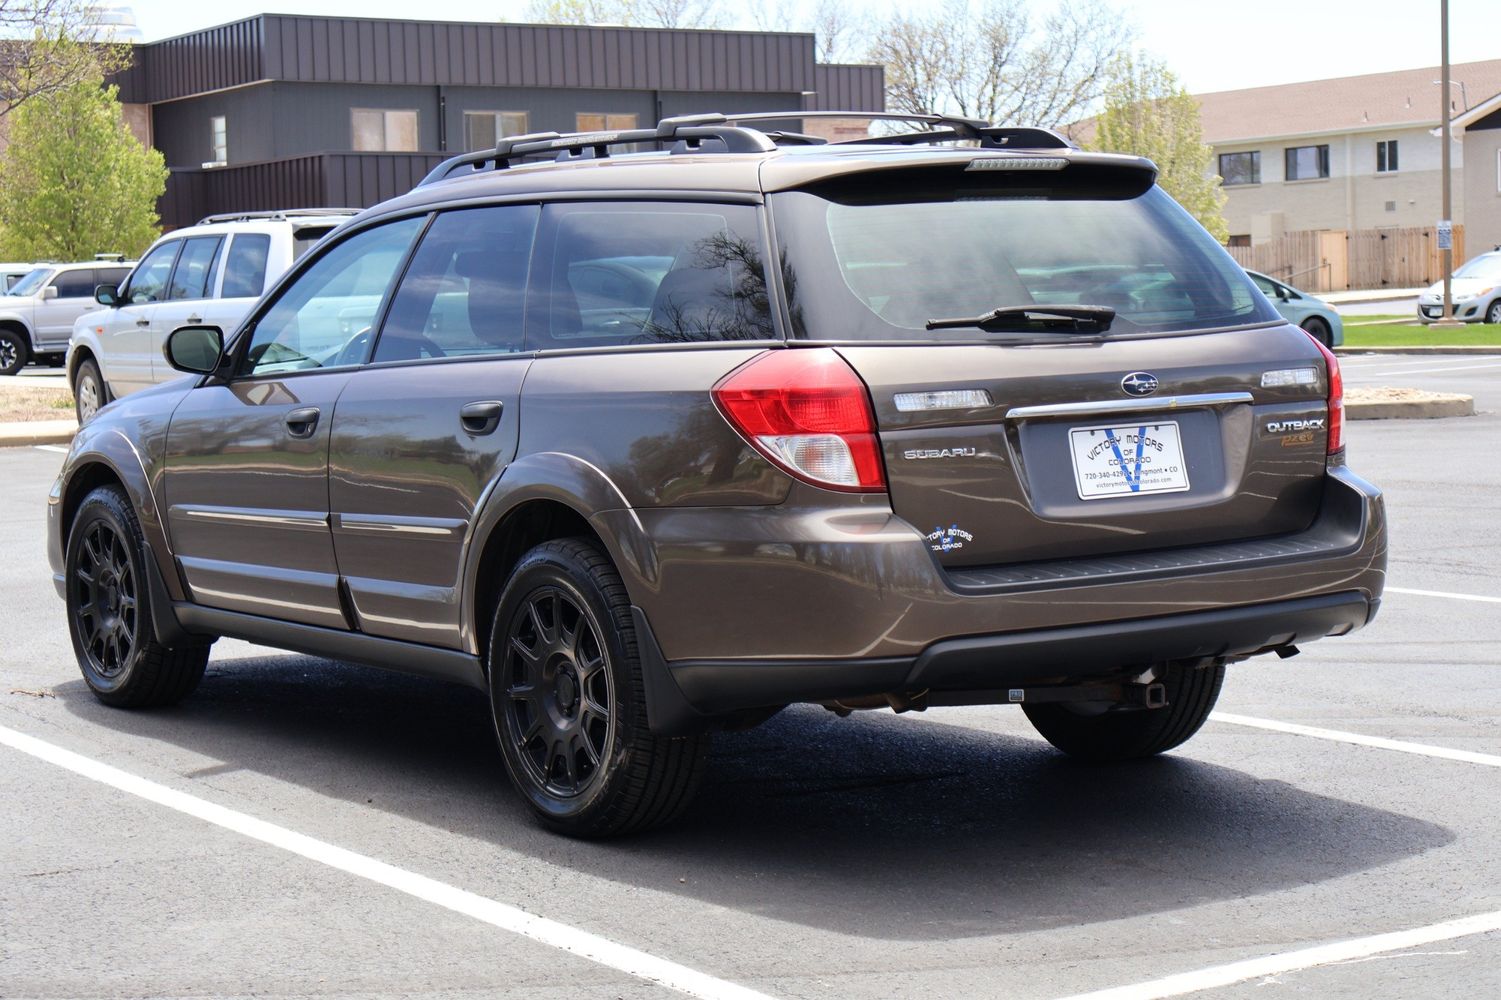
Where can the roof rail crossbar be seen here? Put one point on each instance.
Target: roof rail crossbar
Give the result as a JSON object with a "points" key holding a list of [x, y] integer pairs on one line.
{"points": [[280, 214], [597, 144], [735, 134]]}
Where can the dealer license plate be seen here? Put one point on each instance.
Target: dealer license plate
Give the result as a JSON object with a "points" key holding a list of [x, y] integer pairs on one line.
{"points": [[1136, 459]]}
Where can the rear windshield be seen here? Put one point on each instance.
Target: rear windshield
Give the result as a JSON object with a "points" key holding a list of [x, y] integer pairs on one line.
{"points": [[879, 263]]}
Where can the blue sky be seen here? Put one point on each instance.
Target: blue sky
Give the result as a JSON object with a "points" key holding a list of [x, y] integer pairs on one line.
{"points": [[1211, 45]]}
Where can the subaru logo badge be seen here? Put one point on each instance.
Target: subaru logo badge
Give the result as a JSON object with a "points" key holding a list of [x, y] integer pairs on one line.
{"points": [[1139, 384]]}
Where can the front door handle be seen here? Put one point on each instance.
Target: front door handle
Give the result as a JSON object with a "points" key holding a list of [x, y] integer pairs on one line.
{"points": [[302, 421], [143, 322], [195, 319], [481, 417]]}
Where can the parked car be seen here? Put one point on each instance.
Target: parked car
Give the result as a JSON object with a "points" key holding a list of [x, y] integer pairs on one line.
{"points": [[1474, 291], [1302, 309], [12, 273], [209, 273], [652, 445], [37, 314]]}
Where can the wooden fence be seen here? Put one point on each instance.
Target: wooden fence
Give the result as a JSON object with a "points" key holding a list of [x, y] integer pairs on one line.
{"points": [[1327, 260]]}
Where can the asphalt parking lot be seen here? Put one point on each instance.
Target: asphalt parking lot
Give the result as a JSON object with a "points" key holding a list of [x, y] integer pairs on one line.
{"points": [[300, 828]]}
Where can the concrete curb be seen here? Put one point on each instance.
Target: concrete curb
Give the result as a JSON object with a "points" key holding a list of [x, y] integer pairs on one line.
{"points": [[24, 433], [1343, 350], [1431, 407]]}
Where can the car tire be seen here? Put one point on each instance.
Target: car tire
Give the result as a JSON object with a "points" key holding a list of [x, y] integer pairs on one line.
{"points": [[1125, 735], [15, 352], [1493, 312], [1319, 328], [109, 611], [88, 392], [569, 703]]}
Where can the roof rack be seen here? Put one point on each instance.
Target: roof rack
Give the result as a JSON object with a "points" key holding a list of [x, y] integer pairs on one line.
{"points": [[279, 215], [735, 134]]}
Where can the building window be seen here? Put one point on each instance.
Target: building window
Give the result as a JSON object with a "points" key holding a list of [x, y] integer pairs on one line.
{"points": [[1239, 240], [1307, 162], [1386, 156], [484, 129], [220, 139], [1241, 168], [380, 130], [591, 122]]}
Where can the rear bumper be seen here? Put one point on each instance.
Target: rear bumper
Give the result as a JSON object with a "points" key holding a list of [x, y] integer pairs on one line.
{"points": [[752, 607], [684, 695]]}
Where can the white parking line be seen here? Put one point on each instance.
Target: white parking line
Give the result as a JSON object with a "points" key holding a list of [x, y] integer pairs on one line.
{"points": [[1444, 593], [509, 918], [1373, 360], [1359, 739], [51, 447], [1304, 958], [1424, 371]]}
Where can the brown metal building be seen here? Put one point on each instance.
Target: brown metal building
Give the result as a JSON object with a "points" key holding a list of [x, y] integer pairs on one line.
{"points": [[281, 111]]}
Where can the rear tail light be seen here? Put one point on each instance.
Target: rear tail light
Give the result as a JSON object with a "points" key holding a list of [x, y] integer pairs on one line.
{"points": [[808, 412], [1336, 398]]}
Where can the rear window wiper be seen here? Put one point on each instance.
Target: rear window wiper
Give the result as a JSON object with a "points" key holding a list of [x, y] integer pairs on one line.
{"points": [[1087, 319]]}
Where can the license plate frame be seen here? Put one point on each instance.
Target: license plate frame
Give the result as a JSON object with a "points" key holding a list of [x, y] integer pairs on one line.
{"points": [[1116, 460]]}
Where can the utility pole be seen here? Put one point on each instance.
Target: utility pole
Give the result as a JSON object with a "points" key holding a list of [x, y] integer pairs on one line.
{"points": [[1445, 231]]}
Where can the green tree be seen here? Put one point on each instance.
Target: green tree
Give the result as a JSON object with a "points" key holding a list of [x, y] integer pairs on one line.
{"points": [[75, 181], [1147, 112]]}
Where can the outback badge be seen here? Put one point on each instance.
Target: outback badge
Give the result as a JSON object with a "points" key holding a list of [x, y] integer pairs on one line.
{"points": [[1139, 384]]}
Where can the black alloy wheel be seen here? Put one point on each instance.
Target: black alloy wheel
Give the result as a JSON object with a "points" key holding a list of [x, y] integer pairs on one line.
{"points": [[558, 693], [109, 610], [105, 606], [569, 699]]}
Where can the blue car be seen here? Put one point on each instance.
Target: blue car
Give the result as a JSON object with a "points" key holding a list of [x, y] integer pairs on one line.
{"points": [[1301, 309]]}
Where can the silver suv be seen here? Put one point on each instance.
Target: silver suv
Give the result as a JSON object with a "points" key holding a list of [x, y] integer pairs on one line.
{"points": [[38, 312], [209, 273]]}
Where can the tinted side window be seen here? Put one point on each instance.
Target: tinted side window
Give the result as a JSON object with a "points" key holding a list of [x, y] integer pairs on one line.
{"points": [[193, 276], [75, 284], [149, 282], [110, 275], [464, 290], [323, 318], [649, 273], [245, 268]]}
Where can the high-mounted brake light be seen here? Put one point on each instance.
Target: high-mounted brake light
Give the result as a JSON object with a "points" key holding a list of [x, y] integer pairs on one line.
{"points": [[1336, 398], [808, 412]]}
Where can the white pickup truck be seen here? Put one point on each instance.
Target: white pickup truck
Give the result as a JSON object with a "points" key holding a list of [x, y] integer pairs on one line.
{"points": [[209, 274]]}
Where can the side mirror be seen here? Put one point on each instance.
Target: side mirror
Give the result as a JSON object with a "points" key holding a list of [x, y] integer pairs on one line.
{"points": [[194, 349], [50, 292], [107, 295]]}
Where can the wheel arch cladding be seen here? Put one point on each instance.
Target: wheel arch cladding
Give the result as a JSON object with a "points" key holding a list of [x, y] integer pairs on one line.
{"points": [[524, 526], [573, 498]]}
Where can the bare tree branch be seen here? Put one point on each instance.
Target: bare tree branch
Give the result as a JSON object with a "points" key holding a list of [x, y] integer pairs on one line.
{"points": [[47, 46], [988, 59]]}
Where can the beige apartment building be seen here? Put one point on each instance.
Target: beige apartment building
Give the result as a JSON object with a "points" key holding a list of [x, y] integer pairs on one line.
{"points": [[1355, 153]]}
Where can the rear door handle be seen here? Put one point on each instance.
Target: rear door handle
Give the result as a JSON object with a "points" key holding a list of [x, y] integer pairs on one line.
{"points": [[481, 417], [302, 421], [195, 319]]}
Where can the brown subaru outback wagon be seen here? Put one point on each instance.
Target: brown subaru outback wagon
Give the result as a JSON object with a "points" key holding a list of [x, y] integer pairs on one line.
{"points": [[656, 443]]}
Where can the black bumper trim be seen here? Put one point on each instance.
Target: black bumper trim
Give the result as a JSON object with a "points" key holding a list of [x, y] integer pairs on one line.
{"points": [[685, 695]]}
